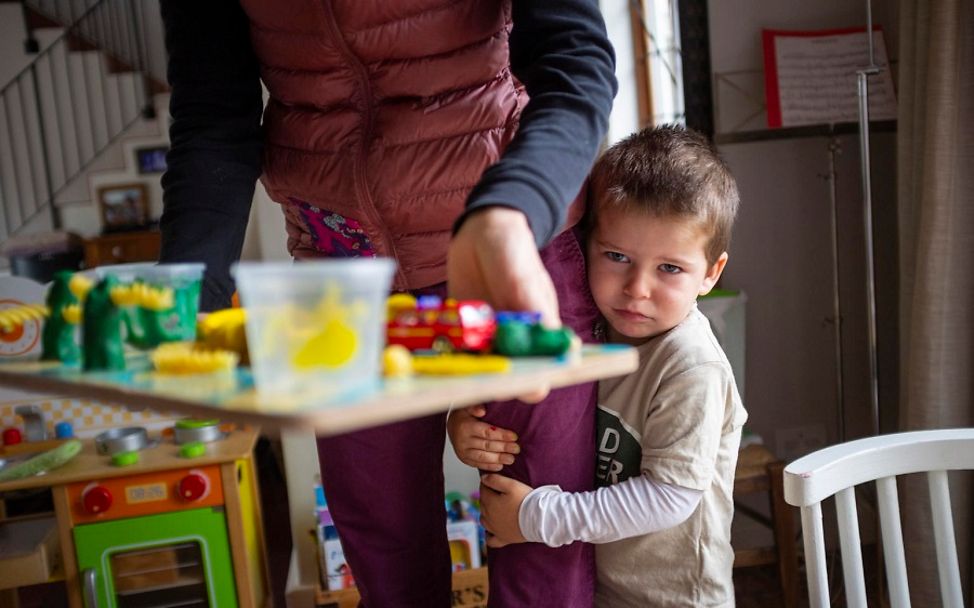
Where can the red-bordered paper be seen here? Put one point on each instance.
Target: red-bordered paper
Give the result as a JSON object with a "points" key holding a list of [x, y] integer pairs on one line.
{"points": [[810, 76]]}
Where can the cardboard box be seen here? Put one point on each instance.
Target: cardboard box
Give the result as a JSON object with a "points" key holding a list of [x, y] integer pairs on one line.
{"points": [[29, 552], [470, 588], [335, 572], [469, 591], [464, 544]]}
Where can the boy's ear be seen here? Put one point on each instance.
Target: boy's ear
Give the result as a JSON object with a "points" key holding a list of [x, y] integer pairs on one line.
{"points": [[713, 274]]}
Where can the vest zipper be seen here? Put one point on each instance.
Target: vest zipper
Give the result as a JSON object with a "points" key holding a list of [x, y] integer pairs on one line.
{"points": [[361, 183]]}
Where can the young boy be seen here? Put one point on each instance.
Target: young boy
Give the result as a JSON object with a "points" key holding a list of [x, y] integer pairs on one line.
{"points": [[663, 204]]}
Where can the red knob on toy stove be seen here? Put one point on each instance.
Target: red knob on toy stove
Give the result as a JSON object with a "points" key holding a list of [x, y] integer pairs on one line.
{"points": [[12, 436], [194, 486], [96, 499]]}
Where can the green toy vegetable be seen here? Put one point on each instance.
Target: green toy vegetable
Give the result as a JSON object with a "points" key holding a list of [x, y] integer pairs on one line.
{"points": [[45, 461]]}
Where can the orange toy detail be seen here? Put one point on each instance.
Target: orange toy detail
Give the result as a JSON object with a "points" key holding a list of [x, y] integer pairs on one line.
{"points": [[149, 494]]}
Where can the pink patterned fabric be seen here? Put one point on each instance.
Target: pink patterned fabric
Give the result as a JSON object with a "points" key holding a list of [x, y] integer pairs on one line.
{"points": [[333, 235]]}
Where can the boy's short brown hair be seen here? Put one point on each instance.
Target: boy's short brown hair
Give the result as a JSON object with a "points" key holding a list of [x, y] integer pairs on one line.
{"points": [[668, 171]]}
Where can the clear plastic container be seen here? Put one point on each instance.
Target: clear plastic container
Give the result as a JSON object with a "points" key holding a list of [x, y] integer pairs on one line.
{"points": [[124, 273], [315, 329], [177, 276], [149, 328], [185, 280]]}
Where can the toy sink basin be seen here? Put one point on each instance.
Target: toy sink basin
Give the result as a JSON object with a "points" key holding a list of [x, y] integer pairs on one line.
{"points": [[9, 460]]}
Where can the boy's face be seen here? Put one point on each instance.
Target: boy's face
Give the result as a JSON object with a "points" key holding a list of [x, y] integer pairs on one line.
{"points": [[646, 272]]}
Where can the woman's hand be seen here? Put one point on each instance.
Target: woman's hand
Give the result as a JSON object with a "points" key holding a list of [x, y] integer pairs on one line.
{"points": [[493, 257], [478, 444], [500, 503]]}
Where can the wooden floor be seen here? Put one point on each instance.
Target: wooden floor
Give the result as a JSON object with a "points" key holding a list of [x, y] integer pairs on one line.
{"points": [[758, 587]]}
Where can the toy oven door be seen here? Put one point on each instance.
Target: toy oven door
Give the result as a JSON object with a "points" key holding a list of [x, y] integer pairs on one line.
{"points": [[174, 559]]}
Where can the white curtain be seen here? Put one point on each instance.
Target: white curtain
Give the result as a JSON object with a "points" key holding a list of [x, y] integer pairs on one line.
{"points": [[936, 229]]}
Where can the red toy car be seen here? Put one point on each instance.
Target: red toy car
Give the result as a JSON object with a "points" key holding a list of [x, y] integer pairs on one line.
{"points": [[466, 325]]}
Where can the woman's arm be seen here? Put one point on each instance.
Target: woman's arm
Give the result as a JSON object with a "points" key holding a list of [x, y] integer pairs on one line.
{"points": [[215, 152], [562, 54], [560, 51]]}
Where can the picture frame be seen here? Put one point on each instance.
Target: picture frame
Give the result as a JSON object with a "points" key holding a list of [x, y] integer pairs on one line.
{"points": [[123, 206], [151, 159]]}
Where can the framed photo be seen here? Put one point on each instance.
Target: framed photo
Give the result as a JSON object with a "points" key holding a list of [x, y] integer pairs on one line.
{"points": [[123, 206], [151, 160]]}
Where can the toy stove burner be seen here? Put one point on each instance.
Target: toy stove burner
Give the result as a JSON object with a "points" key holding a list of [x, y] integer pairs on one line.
{"points": [[126, 439], [191, 430]]}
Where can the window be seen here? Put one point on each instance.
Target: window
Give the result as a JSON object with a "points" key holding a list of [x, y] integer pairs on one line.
{"points": [[659, 63]]}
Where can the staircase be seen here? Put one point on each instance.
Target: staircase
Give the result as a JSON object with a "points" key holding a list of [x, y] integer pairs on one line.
{"points": [[71, 117]]}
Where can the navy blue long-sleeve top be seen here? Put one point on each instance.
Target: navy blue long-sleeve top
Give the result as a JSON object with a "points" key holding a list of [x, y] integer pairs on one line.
{"points": [[559, 50]]}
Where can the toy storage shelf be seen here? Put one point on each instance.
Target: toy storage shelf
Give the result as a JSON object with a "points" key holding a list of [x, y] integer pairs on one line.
{"points": [[232, 396]]}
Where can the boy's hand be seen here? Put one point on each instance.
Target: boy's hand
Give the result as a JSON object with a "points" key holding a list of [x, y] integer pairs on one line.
{"points": [[500, 501], [478, 444]]}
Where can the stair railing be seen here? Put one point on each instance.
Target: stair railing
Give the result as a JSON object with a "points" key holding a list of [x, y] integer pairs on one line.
{"points": [[76, 97]]}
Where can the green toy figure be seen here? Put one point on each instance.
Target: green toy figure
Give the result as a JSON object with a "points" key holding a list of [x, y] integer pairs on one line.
{"points": [[148, 327], [519, 335], [101, 331], [58, 338]]}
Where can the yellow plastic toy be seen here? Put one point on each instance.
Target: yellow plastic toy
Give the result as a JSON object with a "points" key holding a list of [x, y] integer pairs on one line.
{"points": [[333, 346], [225, 329], [397, 361], [460, 364], [397, 303], [72, 313], [14, 317], [181, 358], [140, 294], [337, 342], [80, 285]]}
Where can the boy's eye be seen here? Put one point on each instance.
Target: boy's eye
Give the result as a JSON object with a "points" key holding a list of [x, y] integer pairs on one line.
{"points": [[615, 256], [670, 268]]}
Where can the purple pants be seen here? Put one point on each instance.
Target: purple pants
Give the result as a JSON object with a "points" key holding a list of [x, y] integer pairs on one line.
{"points": [[385, 486]]}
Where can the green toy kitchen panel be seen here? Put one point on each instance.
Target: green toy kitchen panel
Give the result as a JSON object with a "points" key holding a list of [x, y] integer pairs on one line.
{"points": [[178, 558]]}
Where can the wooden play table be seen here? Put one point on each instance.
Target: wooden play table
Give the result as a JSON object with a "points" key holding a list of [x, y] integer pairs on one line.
{"points": [[232, 397]]}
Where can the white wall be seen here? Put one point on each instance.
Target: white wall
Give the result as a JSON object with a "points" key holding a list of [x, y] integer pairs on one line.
{"points": [[781, 253]]}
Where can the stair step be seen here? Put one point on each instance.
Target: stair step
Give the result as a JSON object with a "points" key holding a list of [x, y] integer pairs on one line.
{"points": [[37, 20], [78, 108], [20, 185]]}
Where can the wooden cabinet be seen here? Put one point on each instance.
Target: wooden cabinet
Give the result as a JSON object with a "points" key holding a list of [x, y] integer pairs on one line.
{"points": [[122, 248]]}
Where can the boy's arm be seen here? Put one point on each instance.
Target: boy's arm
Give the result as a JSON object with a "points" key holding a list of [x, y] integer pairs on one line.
{"points": [[546, 514]]}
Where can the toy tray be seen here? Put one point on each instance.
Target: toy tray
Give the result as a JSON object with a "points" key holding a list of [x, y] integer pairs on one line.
{"points": [[232, 396]]}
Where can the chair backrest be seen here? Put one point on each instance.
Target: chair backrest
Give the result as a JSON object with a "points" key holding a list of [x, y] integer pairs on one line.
{"points": [[836, 470]]}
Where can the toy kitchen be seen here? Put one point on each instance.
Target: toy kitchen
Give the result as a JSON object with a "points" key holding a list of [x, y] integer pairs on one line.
{"points": [[168, 517]]}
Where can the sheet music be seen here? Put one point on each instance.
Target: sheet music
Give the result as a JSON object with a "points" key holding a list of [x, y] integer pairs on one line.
{"points": [[816, 78]]}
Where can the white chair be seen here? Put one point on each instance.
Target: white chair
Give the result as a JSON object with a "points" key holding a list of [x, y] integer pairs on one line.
{"points": [[836, 470]]}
